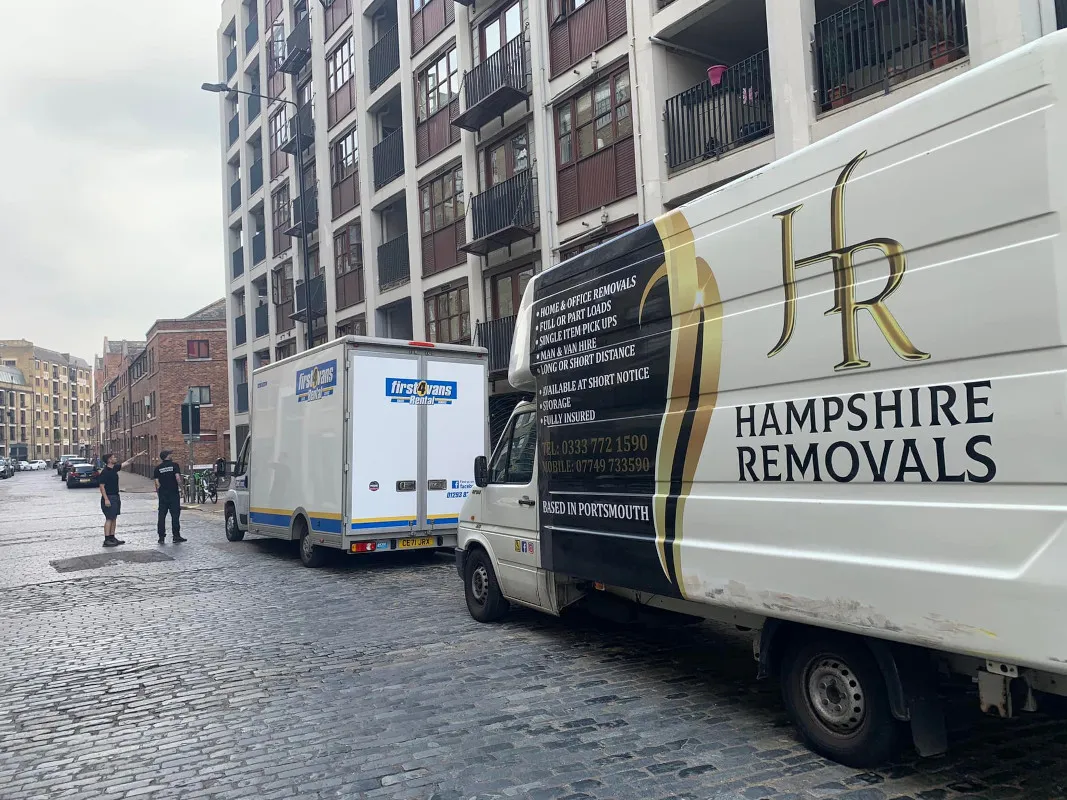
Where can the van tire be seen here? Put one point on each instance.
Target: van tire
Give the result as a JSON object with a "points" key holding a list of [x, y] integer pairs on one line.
{"points": [[819, 672], [311, 555], [233, 532], [484, 600]]}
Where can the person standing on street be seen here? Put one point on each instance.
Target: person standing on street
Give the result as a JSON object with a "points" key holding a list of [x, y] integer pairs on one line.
{"points": [[166, 478], [110, 503]]}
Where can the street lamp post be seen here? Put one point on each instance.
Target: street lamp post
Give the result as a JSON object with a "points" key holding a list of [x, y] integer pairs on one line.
{"points": [[222, 88]]}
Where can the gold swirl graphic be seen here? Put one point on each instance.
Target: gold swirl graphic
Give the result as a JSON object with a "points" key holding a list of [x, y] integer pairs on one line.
{"points": [[693, 380]]}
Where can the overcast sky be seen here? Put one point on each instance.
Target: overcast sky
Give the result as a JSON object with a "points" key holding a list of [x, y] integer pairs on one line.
{"points": [[111, 214]]}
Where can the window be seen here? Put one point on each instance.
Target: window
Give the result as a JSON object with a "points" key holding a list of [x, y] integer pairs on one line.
{"points": [[280, 217], [594, 119], [505, 159], [448, 316], [514, 461], [500, 30], [558, 9], [441, 200], [348, 249], [336, 13], [278, 129], [339, 66], [345, 156], [198, 348], [201, 395], [285, 350], [281, 283], [437, 85], [503, 292], [357, 326]]}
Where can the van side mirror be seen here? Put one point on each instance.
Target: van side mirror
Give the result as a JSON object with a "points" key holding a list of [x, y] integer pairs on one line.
{"points": [[481, 472]]}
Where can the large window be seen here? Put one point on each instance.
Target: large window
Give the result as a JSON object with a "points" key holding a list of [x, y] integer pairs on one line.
{"points": [[438, 85], [339, 66], [344, 160], [277, 129], [348, 249], [501, 29], [441, 200], [448, 316], [281, 283], [336, 13], [198, 348], [504, 159], [594, 119], [356, 326], [503, 292], [200, 395], [280, 217]]}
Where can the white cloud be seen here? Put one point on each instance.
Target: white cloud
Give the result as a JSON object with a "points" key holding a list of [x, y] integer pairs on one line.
{"points": [[111, 214]]}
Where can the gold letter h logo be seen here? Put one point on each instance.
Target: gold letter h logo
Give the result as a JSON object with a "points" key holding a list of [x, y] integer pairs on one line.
{"points": [[841, 256]]}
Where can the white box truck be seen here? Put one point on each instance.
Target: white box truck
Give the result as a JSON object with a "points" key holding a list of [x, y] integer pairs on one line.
{"points": [[827, 402], [362, 445]]}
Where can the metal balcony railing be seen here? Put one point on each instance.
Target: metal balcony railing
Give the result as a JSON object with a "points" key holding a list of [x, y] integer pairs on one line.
{"points": [[497, 84], [503, 214], [237, 263], [251, 34], [297, 47], [1061, 14], [234, 129], [384, 57], [707, 121], [240, 398], [304, 214], [262, 320], [318, 298], [259, 246], [865, 49], [293, 142], [255, 176], [231, 62], [496, 336], [389, 158], [252, 106], [235, 195], [239, 333], [394, 267]]}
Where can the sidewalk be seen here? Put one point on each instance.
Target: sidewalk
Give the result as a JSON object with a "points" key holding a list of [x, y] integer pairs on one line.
{"points": [[132, 483]]}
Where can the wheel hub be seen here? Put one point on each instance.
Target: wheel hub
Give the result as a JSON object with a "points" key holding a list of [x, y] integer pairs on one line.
{"points": [[480, 584], [835, 694], [307, 546]]}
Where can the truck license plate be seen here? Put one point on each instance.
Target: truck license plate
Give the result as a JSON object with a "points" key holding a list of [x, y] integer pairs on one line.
{"points": [[427, 542]]}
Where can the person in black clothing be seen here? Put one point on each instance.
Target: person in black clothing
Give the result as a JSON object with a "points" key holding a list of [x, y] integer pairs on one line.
{"points": [[166, 478], [110, 503]]}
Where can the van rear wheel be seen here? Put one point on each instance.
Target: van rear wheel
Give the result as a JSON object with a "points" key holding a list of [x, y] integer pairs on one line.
{"points": [[311, 555], [484, 599], [836, 696]]}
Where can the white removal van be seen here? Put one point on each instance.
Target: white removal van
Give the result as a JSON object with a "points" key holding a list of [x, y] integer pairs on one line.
{"points": [[362, 445], [827, 402]]}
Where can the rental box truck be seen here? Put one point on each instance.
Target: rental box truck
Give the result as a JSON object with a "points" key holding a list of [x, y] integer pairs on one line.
{"points": [[827, 402], [362, 445]]}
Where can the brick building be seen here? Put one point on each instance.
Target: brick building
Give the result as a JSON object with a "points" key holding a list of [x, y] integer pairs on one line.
{"points": [[116, 359], [142, 403]]}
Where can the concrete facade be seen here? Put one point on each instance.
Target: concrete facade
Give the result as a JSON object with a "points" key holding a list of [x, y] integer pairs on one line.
{"points": [[687, 138]]}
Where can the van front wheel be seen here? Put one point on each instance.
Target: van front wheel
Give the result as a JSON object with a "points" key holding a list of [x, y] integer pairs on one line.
{"points": [[484, 600], [836, 696]]}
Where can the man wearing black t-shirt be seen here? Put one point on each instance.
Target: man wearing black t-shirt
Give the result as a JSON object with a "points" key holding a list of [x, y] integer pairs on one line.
{"points": [[110, 502], [166, 478]]}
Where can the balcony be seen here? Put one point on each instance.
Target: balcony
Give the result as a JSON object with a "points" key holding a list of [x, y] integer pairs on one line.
{"points": [[318, 299], [297, 47], [235, 195], [384, 57], [389, 158], [303, 122], [394, 267], [1061, 14], [234, 129], [707, 121], [240, 398], [863, 49], [251, 34], [503, 214], [231, 63], [497, 84], [262, 320], [495, 336], [252, 105], [259, 246], [239, 333], [255, 176], [237, 263], [304, 215]]}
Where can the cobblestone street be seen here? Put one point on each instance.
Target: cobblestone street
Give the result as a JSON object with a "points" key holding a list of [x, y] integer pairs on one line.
{"points": [[225, 670]]}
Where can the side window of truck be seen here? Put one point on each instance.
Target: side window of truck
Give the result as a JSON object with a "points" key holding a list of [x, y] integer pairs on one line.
{"points": [[514, 461]]}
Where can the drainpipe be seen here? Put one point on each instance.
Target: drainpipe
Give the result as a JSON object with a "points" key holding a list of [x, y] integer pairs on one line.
{"points": [[635, 114]]}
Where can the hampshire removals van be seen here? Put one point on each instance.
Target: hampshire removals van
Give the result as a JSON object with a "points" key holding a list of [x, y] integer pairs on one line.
{"points": [[363, 445], [826, 402]]}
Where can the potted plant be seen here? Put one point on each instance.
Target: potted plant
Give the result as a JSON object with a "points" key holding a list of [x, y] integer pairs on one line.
{"points": [[940, 35]]}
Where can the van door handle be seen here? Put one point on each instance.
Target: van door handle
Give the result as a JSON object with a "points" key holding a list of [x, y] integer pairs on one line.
{"points": [[525, 501]]}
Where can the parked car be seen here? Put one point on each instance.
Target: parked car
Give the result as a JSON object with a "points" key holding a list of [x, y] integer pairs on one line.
{"points": [[82, 475], [24, 466], [70, 462], [6, 468], [38, 465]]}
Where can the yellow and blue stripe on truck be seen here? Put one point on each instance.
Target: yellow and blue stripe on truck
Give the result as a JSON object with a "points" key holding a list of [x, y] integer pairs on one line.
{"points": [[402, 522], [321, 522]]}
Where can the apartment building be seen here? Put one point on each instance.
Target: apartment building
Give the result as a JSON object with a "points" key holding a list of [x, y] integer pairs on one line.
{"points": [[116, 358], [450, 149], [57, 418], [16, 409], [142, 401]]}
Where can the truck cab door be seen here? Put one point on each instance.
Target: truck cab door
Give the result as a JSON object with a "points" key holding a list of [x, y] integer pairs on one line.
{"points": [[509, 509]]}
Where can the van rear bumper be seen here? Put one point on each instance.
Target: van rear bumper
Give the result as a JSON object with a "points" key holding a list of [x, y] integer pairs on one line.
{"points": [[461, 558]]}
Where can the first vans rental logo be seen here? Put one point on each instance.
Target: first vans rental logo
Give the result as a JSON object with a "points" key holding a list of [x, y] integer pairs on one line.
{"points": [[416, 392], [316, 382]]}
